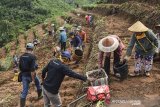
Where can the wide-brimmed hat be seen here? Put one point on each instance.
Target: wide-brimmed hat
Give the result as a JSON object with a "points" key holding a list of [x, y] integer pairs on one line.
{"points": [[108, 44], [138, 27], [79, 27], [61, 28]]}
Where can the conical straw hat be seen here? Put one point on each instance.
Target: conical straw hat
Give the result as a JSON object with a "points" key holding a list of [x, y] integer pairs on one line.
{"points": [[138, 27]]}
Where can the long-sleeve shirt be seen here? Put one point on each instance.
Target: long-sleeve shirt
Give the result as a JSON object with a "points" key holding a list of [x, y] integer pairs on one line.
{"points": [[83, 35], [56, 72], [76, 41], [118, 50], [143, 43], [63, 37]]}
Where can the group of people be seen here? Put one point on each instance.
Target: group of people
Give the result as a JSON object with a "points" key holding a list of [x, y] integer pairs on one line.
{"points": [[144, 40], [52, 77], [54, 72], [77, 39], [146, 46]]}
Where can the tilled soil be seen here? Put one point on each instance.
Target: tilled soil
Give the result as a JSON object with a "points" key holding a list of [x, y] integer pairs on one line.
{"points": [[143, 89], [10, 91]]}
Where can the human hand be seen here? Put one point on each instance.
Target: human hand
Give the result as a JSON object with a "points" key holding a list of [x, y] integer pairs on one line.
{"points": [[126, 58]]}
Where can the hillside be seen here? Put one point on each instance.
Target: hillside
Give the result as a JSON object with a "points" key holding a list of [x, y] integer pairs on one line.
{"points": [[17, 16], [113, 18]]}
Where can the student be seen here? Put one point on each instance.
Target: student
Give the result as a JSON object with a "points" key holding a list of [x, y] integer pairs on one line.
{"points": [[62, 38]]}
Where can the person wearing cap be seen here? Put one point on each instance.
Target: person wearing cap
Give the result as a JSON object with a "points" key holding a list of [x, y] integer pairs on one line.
{"points": [[62, 38], [83, 35], [27, 66], [52, 77], [146, 44], [111, 43]]}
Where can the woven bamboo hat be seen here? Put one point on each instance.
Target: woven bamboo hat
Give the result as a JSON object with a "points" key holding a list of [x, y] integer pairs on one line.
{"points": [[138, 27], [61, 28], [108, 44]]}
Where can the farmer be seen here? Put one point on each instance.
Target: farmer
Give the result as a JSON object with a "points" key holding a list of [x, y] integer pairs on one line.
{"points": [[53, 29], [83, 35], [62, 38], [90, 20], [15, 67], [111, 43], [66, 56], [62, 55], [27, 66], [35, 42], [15, 60], [146, 44], [52, 77], [87, 19], [76, 41]]}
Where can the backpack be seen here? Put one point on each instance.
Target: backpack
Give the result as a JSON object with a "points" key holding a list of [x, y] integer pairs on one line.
{"points": [[26, 63], [96, 93]]}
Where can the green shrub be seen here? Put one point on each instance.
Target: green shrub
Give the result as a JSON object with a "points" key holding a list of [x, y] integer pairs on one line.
{"points": [[6, 64]]}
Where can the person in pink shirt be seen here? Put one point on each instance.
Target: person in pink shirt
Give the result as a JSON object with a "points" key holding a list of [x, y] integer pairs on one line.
{"points": [[111, 43], [87, 19]]}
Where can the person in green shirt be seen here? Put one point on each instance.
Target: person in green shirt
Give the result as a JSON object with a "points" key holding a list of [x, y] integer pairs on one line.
{"points": [[146, 43]]}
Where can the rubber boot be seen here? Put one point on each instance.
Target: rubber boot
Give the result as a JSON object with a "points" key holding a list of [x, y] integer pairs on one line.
{"points": [[39, 92], [22, 102]]}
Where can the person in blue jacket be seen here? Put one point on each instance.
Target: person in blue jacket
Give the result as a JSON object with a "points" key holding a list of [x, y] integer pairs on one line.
{"points": [[62, 38], [76, 40]]}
